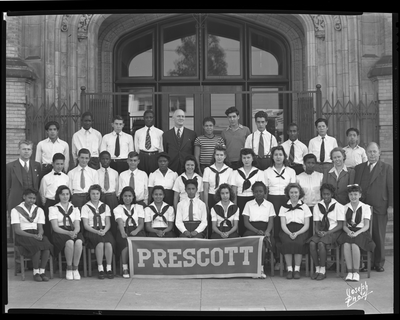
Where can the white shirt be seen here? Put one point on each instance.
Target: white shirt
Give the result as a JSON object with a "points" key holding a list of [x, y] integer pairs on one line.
{"points": [[334, 216], [314, 147], [155, 137], [158, 222], [209, 177], [199, 214], [179, 186], [252, 141], [22, 162], [125, 144], [138, 212], [300, 150], [141, 183], [219, 219], [113, 178], [89, 139], [16, 217], [366, 213], [257, 212], [88, 214], [167, 181], [311, 184], [49, 184], [91, 178], [46, 149], [297, 215], [236, 180], [276, 184], [354, 156], [55, 214]]}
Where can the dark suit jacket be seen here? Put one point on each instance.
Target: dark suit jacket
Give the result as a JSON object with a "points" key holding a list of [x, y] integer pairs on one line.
{"points": [[178, 155], [14, 187], [345, 178], [379, 192]]}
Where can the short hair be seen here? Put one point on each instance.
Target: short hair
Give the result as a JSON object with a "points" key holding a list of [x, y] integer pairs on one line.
{"points": [[96, 187], [232, 110], [209, 119], [293, 124], [118, 117], [148, 111], [278, 148], [191, 181], [126, 189], [58, 156], [261, 114], [320, 120], [103, 153], [309, 156], [327, 186], [372, 142], [29, 191], [191, 158], [163, 155], [217, 196], [158, 187], [352, 129], [27, 142], [87, 113], [133, 154], [245, 152], [59, 190], [219, 147], [354, 188], [294, 185], [52, 123], [341, 150], [259, 184], [84, 151]]}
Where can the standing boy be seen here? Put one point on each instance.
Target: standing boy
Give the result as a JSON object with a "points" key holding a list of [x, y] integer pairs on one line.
{"points": [[148, 143], [234, 137], [46, 148], [191, 213], [48, 187], [135, 178], [88, 138], [295, 149], [81, 178], [322, 146], [354, 153], [118, 144]]}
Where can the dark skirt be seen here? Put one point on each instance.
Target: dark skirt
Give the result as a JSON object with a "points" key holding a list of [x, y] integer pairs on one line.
{"points": [[277, 201], [94, 239], [241, 203], [111, 200], [59, 240], [122, 243], [297, 246], [260, 225], [169, 196], [363, 241], [331, 238], [169, 234], [28, 246], [215, 235]]}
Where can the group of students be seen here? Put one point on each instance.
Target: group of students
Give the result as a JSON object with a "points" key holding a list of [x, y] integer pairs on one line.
{"points": [[102, 207]]}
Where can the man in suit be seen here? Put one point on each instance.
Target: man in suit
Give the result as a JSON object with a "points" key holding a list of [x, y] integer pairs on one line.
{"points": [[21, 174], [178, 142], [376, 180]]}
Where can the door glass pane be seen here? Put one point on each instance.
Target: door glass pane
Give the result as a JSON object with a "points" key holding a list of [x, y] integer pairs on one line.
{"points": [[180, 51], [137, 57], [223, 51], [219, 103], [185, 103], [271, 103], [266, 56]]}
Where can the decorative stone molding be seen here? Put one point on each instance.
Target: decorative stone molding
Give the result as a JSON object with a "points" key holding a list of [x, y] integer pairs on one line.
{"points": [[83, 24], [337, 23], [319, 25], [64, 22]]}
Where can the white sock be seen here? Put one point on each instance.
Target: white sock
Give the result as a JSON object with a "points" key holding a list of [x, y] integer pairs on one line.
{"points": [[296, 268], [35, 271], [41, 270], [100, 267], [322, 270], [109, 267], [290, 268], [124, 266], [317, 269]]}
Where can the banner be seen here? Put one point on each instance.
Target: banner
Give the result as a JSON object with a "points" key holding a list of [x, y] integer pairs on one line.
{"points": [[194, 258]]}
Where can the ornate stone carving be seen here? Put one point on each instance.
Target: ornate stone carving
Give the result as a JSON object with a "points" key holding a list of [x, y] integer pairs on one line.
{"points": [[319, 25], [64, 22], [337, 23], [83, 24]]}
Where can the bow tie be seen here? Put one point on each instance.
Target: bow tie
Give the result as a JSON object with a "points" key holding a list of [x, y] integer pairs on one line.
{"points": [[291, 208], [281, 174], [57, 174]]}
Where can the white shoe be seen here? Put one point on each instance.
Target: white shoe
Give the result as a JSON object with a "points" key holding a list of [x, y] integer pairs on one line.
{"points": [[69, 275], [349, 277], [356, 276], [263, 275], [76, 275], [125, 274]]}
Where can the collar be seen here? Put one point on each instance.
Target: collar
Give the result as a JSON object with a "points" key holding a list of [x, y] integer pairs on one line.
{"points": [[263, 132], [22, 205], [22, 162], [252, 169], [162, 206], [263, 204], [176, 129], [333, 201], [80, 167], [348, 205], [146, 127], [229, 204], [134, 171], [290, 141], [57, 140], [349, 147], [239, 127], [373, 164], [283, 168], [300, 202], [223, 167], [89, 203], [58, 204], [90, 130], [333, 169], [115, 134], [326, 137]]}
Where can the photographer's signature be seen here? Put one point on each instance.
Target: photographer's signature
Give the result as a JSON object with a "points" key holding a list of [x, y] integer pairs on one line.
{"points": [[356, 294]]}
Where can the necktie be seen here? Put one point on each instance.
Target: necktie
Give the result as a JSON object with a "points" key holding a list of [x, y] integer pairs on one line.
{"points": [[82, 179], [291, 154], [106, 180], [191, 210], [178, 135], [132, 181], [117, 152], [148, 140], [322, 153], [325, 220], [57, 174], [280, 175], [217, 175], [261, 146], [26, 166], [370, 167]]}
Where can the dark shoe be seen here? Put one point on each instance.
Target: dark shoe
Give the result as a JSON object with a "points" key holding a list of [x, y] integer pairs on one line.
{"points": [[37, 277], [321, 276], [43, 276], [110, 275], [333, 266], [315, 275], [296, 275], [365, 269], [379, 269], [101, 275], [289, 275]]}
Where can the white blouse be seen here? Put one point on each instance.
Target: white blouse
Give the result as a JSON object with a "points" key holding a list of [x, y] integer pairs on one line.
{"points": [[158, 222], [334, 216], [257, 212], [297, 215], [16, 217], [55, 214], [179, 186], [88, 214], [138, 212], [236, 180], [366, 213]]}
